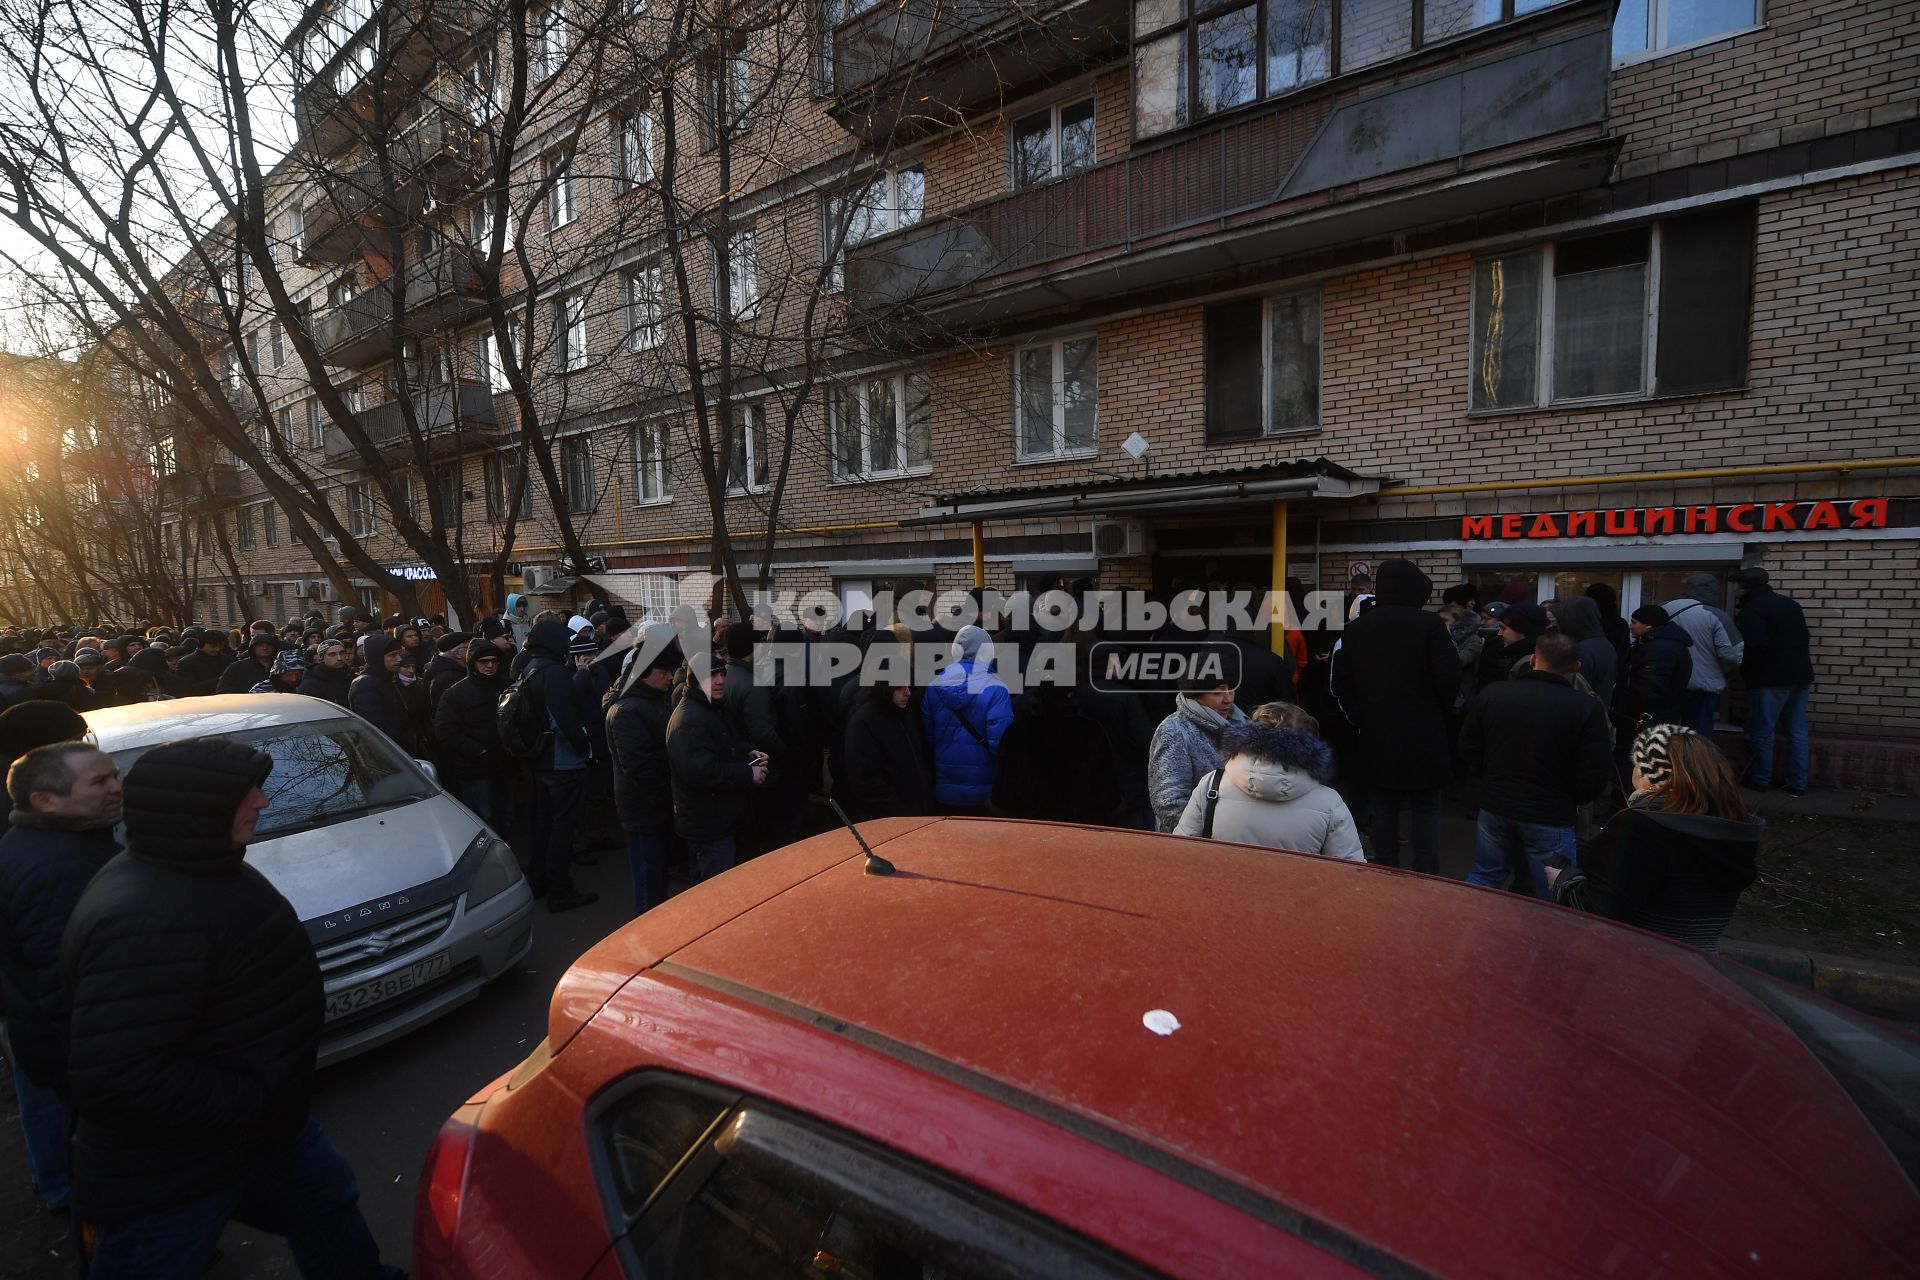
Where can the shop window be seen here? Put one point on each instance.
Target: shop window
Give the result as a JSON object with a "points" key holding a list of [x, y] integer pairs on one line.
{"points": [[1263, 366], [1056, 399], [881, 426], [1583, 320], [1052, 143], [1649, 26]]}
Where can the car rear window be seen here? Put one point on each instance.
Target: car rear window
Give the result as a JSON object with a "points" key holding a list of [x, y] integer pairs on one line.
{"points": [[324, 771]]}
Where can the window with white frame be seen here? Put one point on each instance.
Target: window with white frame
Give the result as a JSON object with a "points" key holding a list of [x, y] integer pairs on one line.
{"points": [[747, 464], [483, 223], [880, 427], [1056, 398], [578, 483], [872, 206], [360, 518], [657, 594], [316, 424], [297, 230], [278, 333], [1052, 143], [730, 93], [493, 369], [636, 150], [549, 40], [484, 90], [1263, 366], [646, 320], [1648, 26], [743, 276], [560, 207], [570, 332], [1648, 310], [652, 474], [289, 434]]}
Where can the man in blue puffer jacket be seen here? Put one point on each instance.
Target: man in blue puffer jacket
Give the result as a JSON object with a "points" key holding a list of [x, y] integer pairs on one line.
{"points": [[967, 710]]}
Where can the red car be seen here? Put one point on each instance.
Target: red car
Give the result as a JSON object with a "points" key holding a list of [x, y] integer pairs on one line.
{"points": [[1048, 1051]]}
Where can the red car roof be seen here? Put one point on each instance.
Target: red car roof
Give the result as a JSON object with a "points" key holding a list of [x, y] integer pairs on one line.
{"points": [[1476, 1083]]}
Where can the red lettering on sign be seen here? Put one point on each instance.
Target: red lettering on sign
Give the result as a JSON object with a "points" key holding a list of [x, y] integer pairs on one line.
{"points": [[1476, 526], [1869, 513], [1622, 520], [1823, 516], [1510, 526], [1778, 515], [1660, 520], [1544, 527], [1740, 518], [1703, 519], [1581, 524]]}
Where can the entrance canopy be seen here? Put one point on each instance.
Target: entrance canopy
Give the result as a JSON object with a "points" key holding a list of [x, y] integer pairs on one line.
{"points": [[1192, 493]]}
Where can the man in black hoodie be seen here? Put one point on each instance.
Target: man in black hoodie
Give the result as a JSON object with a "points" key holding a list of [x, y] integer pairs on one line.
{"points": [[1394, 675], [249, 670], [196, 1016], [201, 669], [375, 698], [642, 778], [466, 722]]}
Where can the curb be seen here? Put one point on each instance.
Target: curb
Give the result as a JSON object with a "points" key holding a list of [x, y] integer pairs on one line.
{"points": [[1884, 990]]}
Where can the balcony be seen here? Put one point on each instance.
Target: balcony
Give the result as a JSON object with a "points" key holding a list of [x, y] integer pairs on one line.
{"points": [[393, 54], [440, 292], [907, 66], [206, 486], [451, 419], [1513, 114], [444, 147]]}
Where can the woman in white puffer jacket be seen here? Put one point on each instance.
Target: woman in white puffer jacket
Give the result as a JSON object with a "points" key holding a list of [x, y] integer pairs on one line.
{"points": [[1273, 789]]}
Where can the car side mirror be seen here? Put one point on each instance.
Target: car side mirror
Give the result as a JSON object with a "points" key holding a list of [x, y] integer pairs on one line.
{"points": [[426, 767]]}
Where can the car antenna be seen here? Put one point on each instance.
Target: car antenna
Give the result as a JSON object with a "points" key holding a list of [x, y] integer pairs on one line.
{"points": [[876, 865]]}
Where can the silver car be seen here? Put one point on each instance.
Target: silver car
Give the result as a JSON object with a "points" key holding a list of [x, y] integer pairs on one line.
{"points": [[413, 904]]}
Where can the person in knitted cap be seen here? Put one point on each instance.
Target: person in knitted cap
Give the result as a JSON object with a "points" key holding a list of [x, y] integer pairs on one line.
{"points": [[1658, 667], [289, 669], [197, 1012]]}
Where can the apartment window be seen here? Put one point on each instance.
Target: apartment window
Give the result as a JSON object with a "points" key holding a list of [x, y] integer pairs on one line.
{"points": [[570, 326], [297, 230], [492, 367], [882, 202], [560, 209], [316, 425], [1263, 366], [636, 150], [747, 465], [743, 276], [1052, 143], [881, 427], [730, 94], [1649, 26], [483, 224], [549, 40], [278, 334], [360, 521], [507, 486], [652, 476], [288, 433], [485, 94], [577, 474], [646, 323], [1056, 399], [1652, 310], [243, 528], [270, 523]]}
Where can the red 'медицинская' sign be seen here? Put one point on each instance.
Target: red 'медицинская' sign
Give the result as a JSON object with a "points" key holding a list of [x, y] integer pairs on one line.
{"points": [[1642, 522]]}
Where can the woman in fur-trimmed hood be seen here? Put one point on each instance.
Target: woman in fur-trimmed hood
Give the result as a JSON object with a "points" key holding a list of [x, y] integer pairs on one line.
{"points": [[1273, 792]]}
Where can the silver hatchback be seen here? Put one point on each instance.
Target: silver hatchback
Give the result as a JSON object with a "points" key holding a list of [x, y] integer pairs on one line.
{"points": [[412, 903]]}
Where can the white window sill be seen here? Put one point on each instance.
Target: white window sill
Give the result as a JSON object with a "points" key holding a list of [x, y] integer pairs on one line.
{"points": [[654, 502], [1653, 55], [878, 477], [1042, 459], [1604, 402]]}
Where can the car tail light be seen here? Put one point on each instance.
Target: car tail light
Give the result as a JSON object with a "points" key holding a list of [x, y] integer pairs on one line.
{"points": [[443, 1189]]}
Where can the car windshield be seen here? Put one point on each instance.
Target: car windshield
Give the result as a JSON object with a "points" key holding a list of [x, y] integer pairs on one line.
{"points": [[324, 771]]}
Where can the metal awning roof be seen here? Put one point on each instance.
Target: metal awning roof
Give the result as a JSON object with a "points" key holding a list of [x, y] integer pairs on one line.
{"points": [[1123, 495]]}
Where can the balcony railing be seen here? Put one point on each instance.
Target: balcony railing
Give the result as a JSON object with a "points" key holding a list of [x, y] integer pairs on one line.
{"points": [[450, 419], [1487, 109], [208, 484], [335, 103], [440, 291]]}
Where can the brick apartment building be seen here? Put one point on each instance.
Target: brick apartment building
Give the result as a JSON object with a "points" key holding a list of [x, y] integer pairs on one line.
{"points": [[1172, 291]]}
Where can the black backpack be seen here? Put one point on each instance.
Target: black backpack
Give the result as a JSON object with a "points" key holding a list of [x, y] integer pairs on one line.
{"points": [[522, 717]]}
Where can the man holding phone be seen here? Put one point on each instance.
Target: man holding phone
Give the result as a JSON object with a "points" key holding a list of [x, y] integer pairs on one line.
{"points": [[712, 769]]}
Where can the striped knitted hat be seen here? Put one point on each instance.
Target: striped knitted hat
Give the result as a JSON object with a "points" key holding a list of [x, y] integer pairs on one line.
{"points": [[1651, 756]]}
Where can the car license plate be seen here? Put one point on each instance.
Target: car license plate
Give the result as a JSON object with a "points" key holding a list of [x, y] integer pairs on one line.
{"points": [[351, 1000]]}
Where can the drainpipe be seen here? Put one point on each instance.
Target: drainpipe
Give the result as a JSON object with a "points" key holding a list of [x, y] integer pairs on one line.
{"points": [[1277, 629], [979, 554]]}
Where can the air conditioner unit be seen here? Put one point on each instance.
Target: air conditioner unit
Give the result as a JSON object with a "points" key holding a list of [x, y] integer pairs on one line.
{"points": [[533, 580], [256, 588], [1114, 539]]}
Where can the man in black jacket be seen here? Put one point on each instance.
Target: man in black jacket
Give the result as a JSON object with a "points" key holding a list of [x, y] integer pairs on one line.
{"points": [[375, 698], [447, 666], [557, 680], [1394, 675], [251, 667], [331, 675], [642, 777], [201, 669], [65, 800], [466, 723], [1658, 667], [1777, 667], [196, 1017], [1543, 749], [16, 680], [713, 771]]}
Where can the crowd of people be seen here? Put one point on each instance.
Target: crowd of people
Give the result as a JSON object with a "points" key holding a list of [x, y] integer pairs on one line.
{"points": [[169, 1053]]}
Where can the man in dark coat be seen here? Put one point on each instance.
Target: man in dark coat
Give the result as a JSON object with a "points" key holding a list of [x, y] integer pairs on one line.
{"points": [[637, 721], [375, 697], [1394, 675], [447, 666], [1056, 765], [467, 724], [713, 771], [1658, 667], [888, 769], [16, 680], [1543, 749], [558, 683], [65, 801], [201, 669], [1777, 667], [331, 675], [197, 1008]]}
